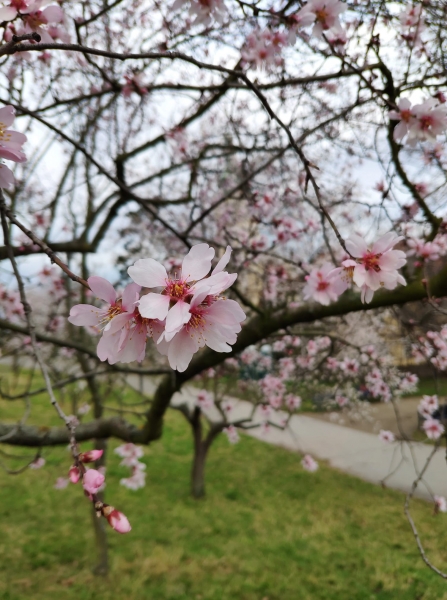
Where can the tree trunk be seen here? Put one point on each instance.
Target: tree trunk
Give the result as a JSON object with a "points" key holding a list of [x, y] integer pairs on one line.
{"points": [[200, 451], [198, 471]]}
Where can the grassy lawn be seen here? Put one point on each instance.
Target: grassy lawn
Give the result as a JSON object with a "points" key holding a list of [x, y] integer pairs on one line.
{"points": [[266, 531], [433, 386]]}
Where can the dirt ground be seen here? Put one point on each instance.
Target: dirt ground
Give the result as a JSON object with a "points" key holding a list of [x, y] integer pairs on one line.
{"points": [[379, 416]]}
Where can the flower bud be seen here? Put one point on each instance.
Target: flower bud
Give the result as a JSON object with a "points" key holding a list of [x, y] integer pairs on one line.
{"points": [[74, 474], [92, 481], [117, 520], [90, 456]]}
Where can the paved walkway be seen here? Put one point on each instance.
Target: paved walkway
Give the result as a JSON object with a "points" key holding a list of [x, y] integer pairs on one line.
{"points": [[352, 451]]}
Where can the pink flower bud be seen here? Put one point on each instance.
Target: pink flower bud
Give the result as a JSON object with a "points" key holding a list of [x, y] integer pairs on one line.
{"points": [[92, 481], [117, 520], [90, 456], [74, 474]]}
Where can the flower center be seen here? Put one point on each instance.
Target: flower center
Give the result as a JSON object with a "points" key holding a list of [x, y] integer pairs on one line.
{"points": [[195, 322], [321, 15], [406, 115], [371, 261], [36, 19], [426, 122], [177, 289], [322, 285]]}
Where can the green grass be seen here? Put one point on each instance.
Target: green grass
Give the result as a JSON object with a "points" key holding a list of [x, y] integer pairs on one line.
{"points": [[432, 386], [267, 530]]}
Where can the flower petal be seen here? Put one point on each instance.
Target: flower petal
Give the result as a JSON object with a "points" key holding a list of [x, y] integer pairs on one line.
{"points": [[131, 295], [197, 263], [85, 314], [356, 245], [154, 306], [178, 315], [102, 289], [148, 272], [223, 262]]}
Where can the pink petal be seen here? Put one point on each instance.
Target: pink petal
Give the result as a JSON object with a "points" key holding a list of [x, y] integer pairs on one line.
{"points": [[7, 115], [386, 242], [6, 177], [119, 522], [197, 263], [130, 295], [199, 296], [181, 350], [148, 272], [108, 348], [11, 154], [7, 13], [117, 323], [54, 14], [356, 245], [102, 289], [15, 139], [178, 316], [133, 346], [227, 312], [223, 261], [85, 314], [154, 306]]}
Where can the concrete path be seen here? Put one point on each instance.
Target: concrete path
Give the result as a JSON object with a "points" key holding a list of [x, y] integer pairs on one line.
{"points": [[352, 451]]}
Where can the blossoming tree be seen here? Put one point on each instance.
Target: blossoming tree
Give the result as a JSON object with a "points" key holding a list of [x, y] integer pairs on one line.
{"points": [[301, 145]]}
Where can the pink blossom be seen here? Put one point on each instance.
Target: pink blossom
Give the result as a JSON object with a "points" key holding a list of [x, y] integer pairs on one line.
{"points": [[440, 504], [332, 363], [349, 366], [204, 400], [309, 464], [232, 434], [114, 315], [324, 14], [38, 463], [74, 474], [428, 405], [263, 48], [293, 402], [422, 122], [323, 285], [137, 479], [204, 11], [92, 481], [173, 303], [35, 19], [116, 519], [8, 13], [212, 322], [405, 116], [386, 436], [130, 454], [341, 401], [433, 428], [376, 265], [11, 143], [124, 329], [412, 24], [270, 384], [424, 250], [90, 456], [61, 483]]}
